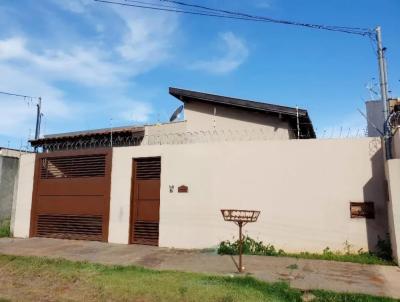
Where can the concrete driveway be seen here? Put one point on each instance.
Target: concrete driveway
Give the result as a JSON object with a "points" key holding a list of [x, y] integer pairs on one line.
{"points": [[300, 273]]}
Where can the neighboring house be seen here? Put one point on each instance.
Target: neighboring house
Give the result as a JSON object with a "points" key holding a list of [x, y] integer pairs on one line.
{"points": [[8, 176], [165, 184], [376, 118]]}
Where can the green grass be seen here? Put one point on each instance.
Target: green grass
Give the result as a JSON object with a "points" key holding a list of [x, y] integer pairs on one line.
{"points": [[5, 228], [253, 247], [35, 278], [362, 257]]}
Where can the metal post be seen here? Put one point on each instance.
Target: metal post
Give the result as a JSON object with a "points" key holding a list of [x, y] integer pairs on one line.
{"points": [[298, 122], [38, 119], [382, 73], [384, 91], [240, 247], [111, 133]]}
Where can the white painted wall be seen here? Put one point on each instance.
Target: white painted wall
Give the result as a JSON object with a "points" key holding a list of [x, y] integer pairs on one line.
{"points": [[207, 117], [302, 187], [165, 128], [121, 176], [393, 176], [23, 202]]}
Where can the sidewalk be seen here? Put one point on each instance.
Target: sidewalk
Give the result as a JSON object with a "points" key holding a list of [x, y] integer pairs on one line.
{"points": [[309, 274]]}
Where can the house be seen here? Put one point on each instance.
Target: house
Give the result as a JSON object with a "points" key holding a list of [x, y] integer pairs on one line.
{"points": [[165, 184]]}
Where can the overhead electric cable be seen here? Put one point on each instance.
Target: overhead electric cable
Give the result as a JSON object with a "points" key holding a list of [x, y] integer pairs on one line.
{"points": [[19, 95], [211, 12], [176, 10], [39, 113], [355, 30]]}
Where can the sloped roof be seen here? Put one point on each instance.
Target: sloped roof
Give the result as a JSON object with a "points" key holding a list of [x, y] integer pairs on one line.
{"points": [[306, 127]]}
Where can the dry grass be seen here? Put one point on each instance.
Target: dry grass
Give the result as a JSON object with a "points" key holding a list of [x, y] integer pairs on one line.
{"points": [[40, 279]]}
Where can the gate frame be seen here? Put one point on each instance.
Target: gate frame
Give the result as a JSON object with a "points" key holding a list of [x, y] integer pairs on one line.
{"points": [[107, 177], [131, 210]]}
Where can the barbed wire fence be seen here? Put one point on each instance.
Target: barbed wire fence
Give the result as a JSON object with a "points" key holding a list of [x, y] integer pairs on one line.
{"points": [[341, 132], [158, 137], [245, 135]]}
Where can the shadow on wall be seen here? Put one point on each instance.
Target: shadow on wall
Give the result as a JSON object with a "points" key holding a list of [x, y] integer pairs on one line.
{"points": [[375, 190]]}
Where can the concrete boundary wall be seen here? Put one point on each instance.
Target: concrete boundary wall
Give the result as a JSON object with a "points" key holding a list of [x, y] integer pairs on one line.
{"points": [[393, 176], [23, 202], [8, 177], [302, 187]]}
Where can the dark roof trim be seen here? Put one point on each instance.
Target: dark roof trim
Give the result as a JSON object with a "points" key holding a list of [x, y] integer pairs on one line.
{"points": [[95, 132], [290, 112], [224, 100], [88, 133]]}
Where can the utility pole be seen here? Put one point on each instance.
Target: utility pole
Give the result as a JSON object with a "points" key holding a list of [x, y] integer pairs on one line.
{"points": [[38, 110], [384, 91], [38, 119], [382, 74]]}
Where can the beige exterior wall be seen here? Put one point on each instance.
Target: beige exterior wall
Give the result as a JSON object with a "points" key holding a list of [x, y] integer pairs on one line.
{"points": [[165, 128], [393, 176], [160, 133], [396, 144], [121, 176], [11, 152], [207, 117], [20, 222], [302, 187]]}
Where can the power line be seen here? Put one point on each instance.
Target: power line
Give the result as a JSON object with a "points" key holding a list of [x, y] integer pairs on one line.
{"points": [[155, 7], [19, 95], [39, 113], [355, 30], [202, 10]]}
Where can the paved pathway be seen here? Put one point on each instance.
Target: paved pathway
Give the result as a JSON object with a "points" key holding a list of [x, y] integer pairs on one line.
{"points": [[309, 274]]}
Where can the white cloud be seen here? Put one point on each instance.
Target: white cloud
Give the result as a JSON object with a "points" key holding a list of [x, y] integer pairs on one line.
{"points": [[105, 61], [234, 51], [84, 66], [12, 48], [18, 115], [148, 38], [75, 6], [137, 112]]}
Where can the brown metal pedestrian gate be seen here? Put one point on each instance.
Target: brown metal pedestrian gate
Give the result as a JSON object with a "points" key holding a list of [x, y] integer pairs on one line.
{"points": [[145, 203], [71, 195]]}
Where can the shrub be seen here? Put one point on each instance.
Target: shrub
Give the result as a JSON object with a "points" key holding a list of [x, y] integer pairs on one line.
{"points": [[253, 247], [250, 246], [5, 228]]}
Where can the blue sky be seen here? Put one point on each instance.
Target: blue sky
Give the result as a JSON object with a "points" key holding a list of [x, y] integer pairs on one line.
{"points": [[97, 65]]}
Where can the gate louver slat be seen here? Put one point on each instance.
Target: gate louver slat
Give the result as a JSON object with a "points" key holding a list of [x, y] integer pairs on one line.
{"points": [[146, 232], [70, 226], [73, 166], [149, 168]]}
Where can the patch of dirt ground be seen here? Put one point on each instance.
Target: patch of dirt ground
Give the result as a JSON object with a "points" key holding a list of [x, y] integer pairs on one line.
{"points": [[24, 286]]}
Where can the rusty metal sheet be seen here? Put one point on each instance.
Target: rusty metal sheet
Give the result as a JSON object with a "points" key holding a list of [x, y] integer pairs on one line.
{"points": [[71, 196], [145, 201]]}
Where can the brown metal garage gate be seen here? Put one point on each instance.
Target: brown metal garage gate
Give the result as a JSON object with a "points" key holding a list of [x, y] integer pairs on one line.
{"points": [[71, 195]]}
